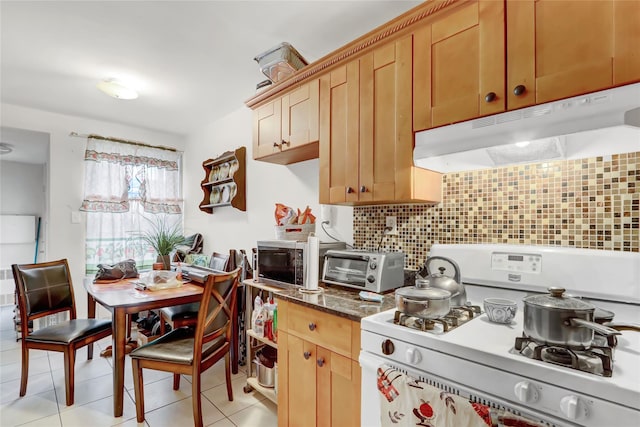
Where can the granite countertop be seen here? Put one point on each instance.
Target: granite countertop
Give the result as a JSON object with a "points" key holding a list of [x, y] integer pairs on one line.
{"points": [[343, 302]]}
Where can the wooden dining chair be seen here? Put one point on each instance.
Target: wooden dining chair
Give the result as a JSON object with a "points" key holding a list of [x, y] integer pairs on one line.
{"points": [[44, 289], [187, 314], [191, 351]]}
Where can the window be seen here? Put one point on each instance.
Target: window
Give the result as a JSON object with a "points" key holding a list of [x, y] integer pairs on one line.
{"points": [[127, 188]]}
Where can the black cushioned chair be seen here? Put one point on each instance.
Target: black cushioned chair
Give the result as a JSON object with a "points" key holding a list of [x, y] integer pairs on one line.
{"points": [[192, 351], [187, 314], [44, 289]]}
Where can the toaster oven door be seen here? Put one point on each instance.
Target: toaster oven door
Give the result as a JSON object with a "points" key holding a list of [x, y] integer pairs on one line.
{"points": [[346, 270]]}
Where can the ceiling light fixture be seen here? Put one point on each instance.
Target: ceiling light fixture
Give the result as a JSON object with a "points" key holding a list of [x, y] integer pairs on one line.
{"points": [[117, 89], [5, 148]]}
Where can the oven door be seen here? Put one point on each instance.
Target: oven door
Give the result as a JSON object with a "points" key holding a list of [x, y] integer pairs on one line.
{"points": [[350, 270]]}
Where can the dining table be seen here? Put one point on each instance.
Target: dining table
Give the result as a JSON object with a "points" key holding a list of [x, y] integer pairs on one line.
{"points": [[122, 299]]}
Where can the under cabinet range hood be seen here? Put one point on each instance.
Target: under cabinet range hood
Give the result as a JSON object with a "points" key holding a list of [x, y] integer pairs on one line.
{"points": [[596, 124]]}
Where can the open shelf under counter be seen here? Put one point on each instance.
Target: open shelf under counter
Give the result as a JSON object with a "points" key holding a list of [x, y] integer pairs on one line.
{"points": [[269, 393], [263, 340]]}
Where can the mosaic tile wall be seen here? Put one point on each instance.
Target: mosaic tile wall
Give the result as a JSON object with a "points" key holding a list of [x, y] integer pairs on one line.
{"points": [[589, 203]]}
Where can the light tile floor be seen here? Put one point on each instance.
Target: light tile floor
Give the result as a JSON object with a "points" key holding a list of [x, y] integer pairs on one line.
{"points": [[44, 403]]}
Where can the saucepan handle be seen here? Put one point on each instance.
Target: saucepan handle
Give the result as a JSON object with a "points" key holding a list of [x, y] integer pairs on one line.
{"points": [[596, 327]]}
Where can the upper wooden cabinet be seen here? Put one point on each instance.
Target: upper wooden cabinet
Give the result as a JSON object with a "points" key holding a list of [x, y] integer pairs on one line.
{"points": [[366, 142], [459, 65], [559, 49], [285, 129]]}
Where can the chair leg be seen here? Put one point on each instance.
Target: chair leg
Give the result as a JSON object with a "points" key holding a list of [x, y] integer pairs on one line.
{"points": [[227, 371], [69, 373], [163, 329], [176, 381], [138, 387], [196, 397], [25, 370]]}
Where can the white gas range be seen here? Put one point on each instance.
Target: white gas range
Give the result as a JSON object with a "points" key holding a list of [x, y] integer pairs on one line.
{"points": [[477, 359]]}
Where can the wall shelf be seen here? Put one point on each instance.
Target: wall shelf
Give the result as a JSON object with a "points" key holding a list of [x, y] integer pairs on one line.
{"points": [[224, 181]]}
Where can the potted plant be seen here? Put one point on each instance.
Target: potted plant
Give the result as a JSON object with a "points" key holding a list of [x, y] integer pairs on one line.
{"points": [[164, 239]]}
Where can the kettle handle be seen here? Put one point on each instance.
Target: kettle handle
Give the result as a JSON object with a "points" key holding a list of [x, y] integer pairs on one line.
{"points": [[456, 269]]}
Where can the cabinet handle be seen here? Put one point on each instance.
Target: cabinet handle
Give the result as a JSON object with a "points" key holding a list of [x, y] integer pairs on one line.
{"points": [[490, 97], [363, 189], [307, 355], [312, 326], [287, 143], [349, 190], [320, 361], [519, 90]]}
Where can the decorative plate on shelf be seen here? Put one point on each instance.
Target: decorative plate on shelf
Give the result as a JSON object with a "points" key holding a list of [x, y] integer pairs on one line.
{"points": [[226, 193], [234, 165], [233, 190], [215, 196], [224, 171]]}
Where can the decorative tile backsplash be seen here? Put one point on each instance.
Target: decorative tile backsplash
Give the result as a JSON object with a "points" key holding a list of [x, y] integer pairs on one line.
{"points": [[588, 203]]}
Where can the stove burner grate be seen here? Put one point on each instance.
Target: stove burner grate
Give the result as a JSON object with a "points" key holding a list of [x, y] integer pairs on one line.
{"points": [[596, 360], [456, 317]]}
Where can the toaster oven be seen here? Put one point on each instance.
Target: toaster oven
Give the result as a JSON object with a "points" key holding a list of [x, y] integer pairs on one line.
{"points": [[370, 271]]}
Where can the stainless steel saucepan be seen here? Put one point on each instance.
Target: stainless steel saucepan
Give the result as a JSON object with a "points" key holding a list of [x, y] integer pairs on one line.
{"points": [[426, 303], [557, 319]]}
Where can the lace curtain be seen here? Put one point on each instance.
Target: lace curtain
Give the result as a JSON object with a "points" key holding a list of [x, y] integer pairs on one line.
{"points": [[126, 189]]}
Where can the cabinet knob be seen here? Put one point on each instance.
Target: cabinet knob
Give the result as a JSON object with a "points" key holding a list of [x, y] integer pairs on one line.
{"points": [[312, 326], [519, 90], [363, 189], [275, 144], [307, 355], [349, 190], [287, 143], [490, 97], [320, 361]]}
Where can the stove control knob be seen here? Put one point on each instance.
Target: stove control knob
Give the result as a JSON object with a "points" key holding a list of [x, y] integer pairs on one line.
{"points": [[573, 408], [526, 392], [413, 356], [387, 347]]}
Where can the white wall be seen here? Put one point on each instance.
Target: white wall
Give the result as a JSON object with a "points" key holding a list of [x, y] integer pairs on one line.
{"points": [[267, 184], [66, 176]]}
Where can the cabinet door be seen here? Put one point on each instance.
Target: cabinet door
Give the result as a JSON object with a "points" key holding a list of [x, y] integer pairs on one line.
{"points": [[559, 49], [339, 109], [338, 390], [386, 140], [300, 116], [267, 125], [460, 65], [301, 358]]}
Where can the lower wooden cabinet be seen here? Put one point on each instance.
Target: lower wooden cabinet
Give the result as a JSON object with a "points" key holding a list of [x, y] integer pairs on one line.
{"points": [[317, 386]]}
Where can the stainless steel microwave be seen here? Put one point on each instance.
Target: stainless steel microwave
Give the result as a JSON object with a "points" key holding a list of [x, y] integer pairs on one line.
{"points": [[283, 262]]}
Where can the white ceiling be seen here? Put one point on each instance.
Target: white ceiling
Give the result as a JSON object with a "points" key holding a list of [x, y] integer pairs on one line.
{"points": [[191, 61]]}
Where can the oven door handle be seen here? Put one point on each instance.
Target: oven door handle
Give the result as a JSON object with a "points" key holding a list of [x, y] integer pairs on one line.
{"points": [[351, 257]]}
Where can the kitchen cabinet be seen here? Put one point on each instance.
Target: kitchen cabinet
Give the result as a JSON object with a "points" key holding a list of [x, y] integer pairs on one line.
{"points": [[366, 142], [224, 181], [560, 49], [459, 65], [318, 362], [285, 129]]}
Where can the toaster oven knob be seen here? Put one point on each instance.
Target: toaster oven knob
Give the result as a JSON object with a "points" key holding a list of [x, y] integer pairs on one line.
{"points": [[413, 356], [373, 265], [371, 278], [387, 347], [526, 392]]}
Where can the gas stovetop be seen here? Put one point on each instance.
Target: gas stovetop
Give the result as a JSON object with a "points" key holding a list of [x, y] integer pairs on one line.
{"points": [[490, 344], [457, 316]]}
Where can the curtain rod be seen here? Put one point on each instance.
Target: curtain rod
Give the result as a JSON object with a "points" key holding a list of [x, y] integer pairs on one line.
{"points": [[124, 141]]}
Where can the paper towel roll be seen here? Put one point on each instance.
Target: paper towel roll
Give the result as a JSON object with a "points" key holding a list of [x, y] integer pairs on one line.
{"points": [[313, 255]]}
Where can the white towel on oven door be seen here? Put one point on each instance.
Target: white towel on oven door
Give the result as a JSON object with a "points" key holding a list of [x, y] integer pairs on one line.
{"points": [[406, 401]]}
